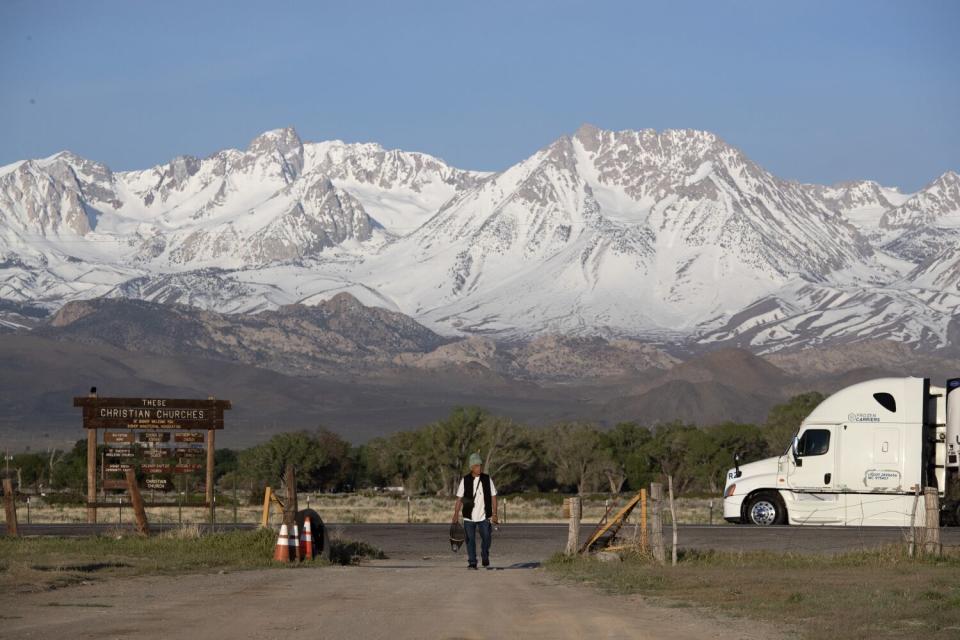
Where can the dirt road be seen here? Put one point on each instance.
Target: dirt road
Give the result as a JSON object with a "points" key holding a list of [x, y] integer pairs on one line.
{"points": [[421, 591], [436, 598]]}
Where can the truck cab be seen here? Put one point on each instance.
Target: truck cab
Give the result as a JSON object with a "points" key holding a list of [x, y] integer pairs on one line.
{"points": [[859, 458]]}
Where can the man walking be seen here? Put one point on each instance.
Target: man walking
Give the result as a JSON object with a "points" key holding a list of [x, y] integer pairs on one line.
{"points": [[477, 502]]}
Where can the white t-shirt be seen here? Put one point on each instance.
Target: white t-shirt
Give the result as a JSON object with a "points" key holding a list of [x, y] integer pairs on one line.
{"points": [[478, 514]]}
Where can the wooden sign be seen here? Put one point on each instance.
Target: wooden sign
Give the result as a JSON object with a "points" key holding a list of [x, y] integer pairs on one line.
{"points": [[151, 413], [158, 484], [155, 467], [153, 436], [194, 423]]}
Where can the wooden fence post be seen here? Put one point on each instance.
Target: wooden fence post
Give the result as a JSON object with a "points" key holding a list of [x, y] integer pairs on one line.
{"points": [[265, 518], [573, 533], [290, 507], [912, 549], [656, 522], [931, 539], [10, 507], [211, 497], [136, 501], [290, 504], [673, 520], [643, 520], [91, 476]]}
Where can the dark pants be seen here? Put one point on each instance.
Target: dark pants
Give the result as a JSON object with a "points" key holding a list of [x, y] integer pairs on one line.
{"points": [[471, 529]]}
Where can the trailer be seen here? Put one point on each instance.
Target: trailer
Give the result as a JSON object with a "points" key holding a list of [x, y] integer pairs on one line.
{"points": [[859, 459]]}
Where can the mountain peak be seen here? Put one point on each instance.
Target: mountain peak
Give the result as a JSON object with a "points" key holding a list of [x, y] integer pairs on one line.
{"points": [[283, 145], [949, 177], [283, 140], [91, 168]]}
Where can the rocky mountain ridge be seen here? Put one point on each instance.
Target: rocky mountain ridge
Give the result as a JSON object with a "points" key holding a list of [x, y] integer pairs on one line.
{"points": [[674, 237]]}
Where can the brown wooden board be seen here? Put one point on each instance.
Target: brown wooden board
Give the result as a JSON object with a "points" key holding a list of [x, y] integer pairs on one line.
{"points": [[153, 436], [158, 484], [151, 413], [192, 403], [155, 467], [140, 438], [150, 419]]}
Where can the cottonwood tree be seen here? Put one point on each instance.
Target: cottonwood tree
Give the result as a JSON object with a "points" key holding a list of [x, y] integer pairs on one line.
{"points": [[507, 449], [784, 419], [575, 450], [447, 444], [620, 446], [670, 449], [722, 442], [267, 462], [391, 460]]}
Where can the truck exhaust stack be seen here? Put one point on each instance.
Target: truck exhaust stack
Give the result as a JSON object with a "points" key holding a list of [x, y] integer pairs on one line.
{"points": [[953, 423]]}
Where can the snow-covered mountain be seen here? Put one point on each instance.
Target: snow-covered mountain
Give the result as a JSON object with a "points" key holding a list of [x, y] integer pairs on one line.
{"points": [[674, 235]]}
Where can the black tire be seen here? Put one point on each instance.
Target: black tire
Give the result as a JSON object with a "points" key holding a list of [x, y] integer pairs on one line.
{"points": [[321, 538], [764, 509], [952, 513]]}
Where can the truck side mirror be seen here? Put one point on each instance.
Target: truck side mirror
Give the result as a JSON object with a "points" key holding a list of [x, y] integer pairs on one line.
{"points": [[736, 465], [795, 450]]}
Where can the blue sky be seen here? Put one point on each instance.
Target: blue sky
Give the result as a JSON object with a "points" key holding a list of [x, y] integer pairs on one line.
{"points": [[814, 91]]}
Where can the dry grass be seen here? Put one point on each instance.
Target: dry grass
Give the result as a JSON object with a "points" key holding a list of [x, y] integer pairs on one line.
{"points": [[42, 563], [857, 596]]}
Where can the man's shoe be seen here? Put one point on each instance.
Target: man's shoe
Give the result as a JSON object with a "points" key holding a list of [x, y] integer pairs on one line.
{"points": [[472, 566], [486, 563]]}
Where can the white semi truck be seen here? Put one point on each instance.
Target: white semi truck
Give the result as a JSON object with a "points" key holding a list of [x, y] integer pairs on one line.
{"points": [[858, 459]]}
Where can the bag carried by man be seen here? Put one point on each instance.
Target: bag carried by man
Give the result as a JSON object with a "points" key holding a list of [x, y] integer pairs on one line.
{"points": [[457, 536]]}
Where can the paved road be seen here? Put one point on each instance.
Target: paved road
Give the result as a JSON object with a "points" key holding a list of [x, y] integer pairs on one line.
{"points": [[78, 530], [535, 542]]}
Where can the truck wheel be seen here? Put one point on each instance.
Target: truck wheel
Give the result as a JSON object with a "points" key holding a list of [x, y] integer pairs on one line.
{"points": [[765, 509], [953, 514]]}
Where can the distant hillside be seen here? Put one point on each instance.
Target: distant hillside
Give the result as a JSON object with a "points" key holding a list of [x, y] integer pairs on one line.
{"points": [[364, 371]]}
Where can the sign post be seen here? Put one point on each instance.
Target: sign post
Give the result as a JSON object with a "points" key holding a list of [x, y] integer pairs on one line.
{"points": [[210, 468], [137, 438], [91, 476]]}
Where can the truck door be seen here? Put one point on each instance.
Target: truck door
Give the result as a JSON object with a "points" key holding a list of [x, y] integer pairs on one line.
{"points": [[812, 476]]}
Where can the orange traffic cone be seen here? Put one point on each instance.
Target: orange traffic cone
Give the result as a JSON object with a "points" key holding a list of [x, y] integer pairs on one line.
{"points": [[281, 552], [295, 544], [306, 543]]}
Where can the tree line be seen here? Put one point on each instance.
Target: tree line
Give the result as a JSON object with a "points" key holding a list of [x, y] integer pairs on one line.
{"points": [[566, 456]]}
